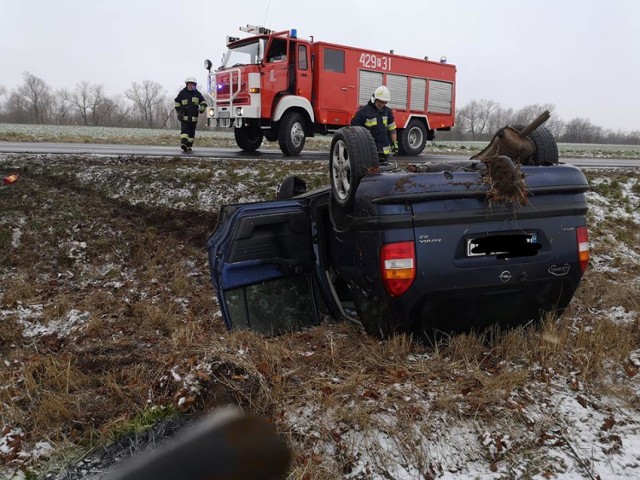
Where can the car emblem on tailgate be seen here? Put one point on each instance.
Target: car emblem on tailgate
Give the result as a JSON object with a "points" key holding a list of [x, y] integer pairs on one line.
{"points": [[559, 270], [505, 276]]}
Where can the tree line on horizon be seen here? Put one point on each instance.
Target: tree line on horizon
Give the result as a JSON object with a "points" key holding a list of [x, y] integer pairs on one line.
{"points": [[147, 104]]}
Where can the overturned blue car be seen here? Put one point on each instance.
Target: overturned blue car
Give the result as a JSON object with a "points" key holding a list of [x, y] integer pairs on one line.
{"points": [[499, 239]]}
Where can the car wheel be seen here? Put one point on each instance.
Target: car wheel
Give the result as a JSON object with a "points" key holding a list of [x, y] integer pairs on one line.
{"points": [[353, 154], [248, 138], [413, 138], [290, 187], [291, 135], [546, 147]]}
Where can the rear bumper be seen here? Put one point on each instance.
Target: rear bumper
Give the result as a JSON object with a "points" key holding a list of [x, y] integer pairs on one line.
{"points": [[477, 308], [467, 308]]}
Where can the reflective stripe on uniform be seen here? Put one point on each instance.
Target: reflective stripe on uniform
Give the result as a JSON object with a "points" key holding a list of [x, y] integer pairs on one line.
{"points": [[184, 135], [386, 150], [194, 119], [391, 126], [371, 122], [195, 100], [185, 101], [177, 104], [185, 118]]}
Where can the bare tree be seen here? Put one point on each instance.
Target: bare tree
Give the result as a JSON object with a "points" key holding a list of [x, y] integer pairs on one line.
{"points": [[3, 93], [528, 113], [79, 102], [17, 108], [88, 100], [474, 117], [115, 111], [101, 113], [36, 92], [581, 130], [99, 105], [620, 137], [148, 99], [499, 118], [61, 109]]}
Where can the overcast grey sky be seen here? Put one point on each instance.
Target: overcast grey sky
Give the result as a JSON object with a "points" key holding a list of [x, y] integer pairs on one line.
{"points": [[581, 55]]}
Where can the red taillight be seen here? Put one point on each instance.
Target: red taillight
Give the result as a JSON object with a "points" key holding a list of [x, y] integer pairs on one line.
{"points": [[398, 267], [582, 236]]}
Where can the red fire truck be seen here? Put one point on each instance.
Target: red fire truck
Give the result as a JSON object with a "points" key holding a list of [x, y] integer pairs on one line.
{"points": [[277, 86]]}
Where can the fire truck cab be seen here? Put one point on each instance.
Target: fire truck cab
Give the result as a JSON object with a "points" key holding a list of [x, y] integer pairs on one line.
{"points": [[278, 87]]}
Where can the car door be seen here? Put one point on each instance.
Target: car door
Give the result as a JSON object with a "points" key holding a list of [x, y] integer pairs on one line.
{"points": [[262, 266]]}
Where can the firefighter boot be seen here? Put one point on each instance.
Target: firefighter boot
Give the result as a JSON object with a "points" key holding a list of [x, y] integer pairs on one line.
{"points": [[184, 142]]}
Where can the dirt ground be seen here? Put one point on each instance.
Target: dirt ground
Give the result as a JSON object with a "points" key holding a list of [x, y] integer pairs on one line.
{"points": [[109, 329]]}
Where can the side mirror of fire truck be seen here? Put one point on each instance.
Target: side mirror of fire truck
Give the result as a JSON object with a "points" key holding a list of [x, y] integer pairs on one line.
{"points": [[208, 64]]}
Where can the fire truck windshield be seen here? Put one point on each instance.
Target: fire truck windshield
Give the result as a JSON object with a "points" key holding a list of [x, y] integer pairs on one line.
{"points": [[247, 53]]}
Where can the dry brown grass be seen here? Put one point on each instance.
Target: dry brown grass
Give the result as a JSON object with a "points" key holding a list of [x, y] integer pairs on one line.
{"points": [[19, 289], [153, 337]]}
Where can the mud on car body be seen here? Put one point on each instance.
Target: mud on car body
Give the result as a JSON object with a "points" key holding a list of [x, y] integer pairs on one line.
{"points": [[430, 249]]}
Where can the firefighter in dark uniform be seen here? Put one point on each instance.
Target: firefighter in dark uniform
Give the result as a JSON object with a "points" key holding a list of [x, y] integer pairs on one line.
{"points": [[378, 119], [189, 104]]}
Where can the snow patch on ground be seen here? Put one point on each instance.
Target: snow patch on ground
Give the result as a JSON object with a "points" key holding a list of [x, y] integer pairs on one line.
{"points": [[31, 318], [16, 234], [580, 436]]}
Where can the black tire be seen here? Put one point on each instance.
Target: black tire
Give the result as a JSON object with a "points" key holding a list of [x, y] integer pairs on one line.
{"points": [[248, 138], [290, 187], [413, 138], [291, 135], [353, 154], [546, 147]]}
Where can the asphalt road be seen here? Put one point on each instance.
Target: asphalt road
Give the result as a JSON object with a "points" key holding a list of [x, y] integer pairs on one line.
{"points": [[204, 152]]}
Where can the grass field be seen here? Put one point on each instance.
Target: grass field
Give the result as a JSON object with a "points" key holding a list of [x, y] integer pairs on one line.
{"points": [[109, 324]]}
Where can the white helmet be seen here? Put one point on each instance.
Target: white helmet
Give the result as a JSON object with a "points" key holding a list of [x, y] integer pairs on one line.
{"points": [[382, 93], [191, 80]]}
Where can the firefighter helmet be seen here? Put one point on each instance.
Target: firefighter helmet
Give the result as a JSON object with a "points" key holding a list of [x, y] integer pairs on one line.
{"points": [[191, 80], [382, 93]]}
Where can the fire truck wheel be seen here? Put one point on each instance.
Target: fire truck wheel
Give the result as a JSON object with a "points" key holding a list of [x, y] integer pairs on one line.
{"points": [[546, 147], [291, 136], [353, 154], [413, 138], [290, 187], [249, 138]]}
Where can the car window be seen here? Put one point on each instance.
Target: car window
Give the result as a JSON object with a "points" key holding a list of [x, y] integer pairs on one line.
{"points": [[273, 307]]}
